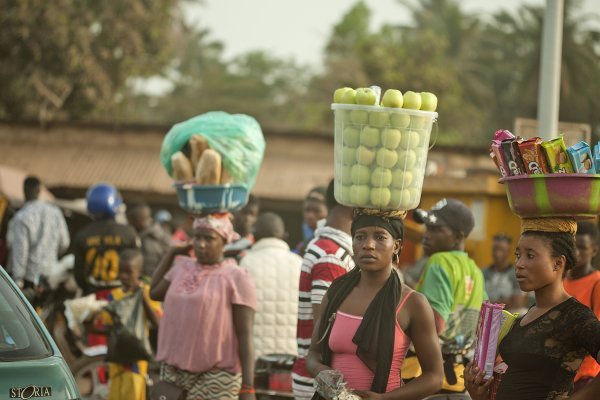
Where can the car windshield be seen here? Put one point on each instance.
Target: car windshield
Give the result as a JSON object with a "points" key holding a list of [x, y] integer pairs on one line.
{"points": [[20, 335]]}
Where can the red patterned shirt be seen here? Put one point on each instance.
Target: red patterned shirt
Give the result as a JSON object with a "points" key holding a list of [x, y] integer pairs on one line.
{"points": [[328, 256]]}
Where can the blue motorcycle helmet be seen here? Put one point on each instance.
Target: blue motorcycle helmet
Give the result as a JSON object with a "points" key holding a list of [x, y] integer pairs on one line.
{"points": [[103, 200]]}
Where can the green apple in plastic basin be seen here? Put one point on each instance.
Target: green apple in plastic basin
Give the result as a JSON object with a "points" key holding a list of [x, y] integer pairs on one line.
{"points": [[380, 197]]}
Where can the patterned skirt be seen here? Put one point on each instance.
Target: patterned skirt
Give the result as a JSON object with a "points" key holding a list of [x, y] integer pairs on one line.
{"points": [[215, 384]]}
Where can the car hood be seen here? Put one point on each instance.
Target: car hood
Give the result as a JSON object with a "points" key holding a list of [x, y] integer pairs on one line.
{"points": [[47, 378]]}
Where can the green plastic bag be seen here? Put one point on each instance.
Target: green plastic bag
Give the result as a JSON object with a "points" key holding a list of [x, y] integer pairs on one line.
{"points": [[237, 137]]}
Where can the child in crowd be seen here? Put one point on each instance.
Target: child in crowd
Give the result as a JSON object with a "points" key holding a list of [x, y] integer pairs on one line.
{"points": [[129, 381]]}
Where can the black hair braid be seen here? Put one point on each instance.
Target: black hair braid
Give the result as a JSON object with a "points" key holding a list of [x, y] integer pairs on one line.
{"points": [[561, 243]]}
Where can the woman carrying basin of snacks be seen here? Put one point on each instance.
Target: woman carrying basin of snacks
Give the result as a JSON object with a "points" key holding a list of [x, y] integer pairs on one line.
{"points": [[546, 346], [370, 318]]}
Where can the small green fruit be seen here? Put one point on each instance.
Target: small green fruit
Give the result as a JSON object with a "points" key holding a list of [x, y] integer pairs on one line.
{"points": [[351, 136], [361, 175], [345, 194], [369, 136], [379, 119], [381, 177], [400, 199], [339, 93], [412, 100], [390, 138], [400, 121], [386, 158], [348, 155], [366, 97], [380, 197], [417, 122], [392, 98], [428, 101], [346, 174], [348, 97], [364, 155], [359, 195], [409, 140], [359, 117], [401, 179], [406, 159]]}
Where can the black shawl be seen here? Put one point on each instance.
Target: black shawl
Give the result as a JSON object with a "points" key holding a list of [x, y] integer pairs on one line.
{"points": [[375, 335]]}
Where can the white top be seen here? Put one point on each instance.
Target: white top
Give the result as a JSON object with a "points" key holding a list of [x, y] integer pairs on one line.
{"points": [[276, 274]]}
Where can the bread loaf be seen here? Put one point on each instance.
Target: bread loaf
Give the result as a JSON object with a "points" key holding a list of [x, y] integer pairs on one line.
{"points": [[182, 167], [198, 144], [225, 177], [208, 170]]}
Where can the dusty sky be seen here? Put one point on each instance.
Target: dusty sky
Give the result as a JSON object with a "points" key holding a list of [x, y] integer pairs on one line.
{"points": [[298, 29]]}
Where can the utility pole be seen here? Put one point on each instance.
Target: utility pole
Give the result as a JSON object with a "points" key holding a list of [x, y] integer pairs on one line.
{"points": [[549, 85]]}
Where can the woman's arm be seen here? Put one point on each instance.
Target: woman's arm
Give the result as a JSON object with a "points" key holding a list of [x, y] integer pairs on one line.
{"points": [[159, 286], [243, 321], [424, 336], [313, 359], [150, 314], [590, 391]]}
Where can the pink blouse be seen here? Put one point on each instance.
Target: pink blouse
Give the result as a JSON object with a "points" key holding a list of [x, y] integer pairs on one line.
{"points": [[344, 358], [196, 332]]}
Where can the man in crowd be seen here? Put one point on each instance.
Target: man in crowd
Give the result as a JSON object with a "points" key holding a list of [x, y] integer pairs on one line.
{"points": [[314, 209], [276, 272], [583, 283], [327, 256], [243, 223], [500, 280], [452, 283], [97, 246], [155, 242], [37, 236]]}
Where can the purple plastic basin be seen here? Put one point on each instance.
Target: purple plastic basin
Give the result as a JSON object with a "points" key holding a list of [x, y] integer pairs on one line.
{"points": [[553, 195]]}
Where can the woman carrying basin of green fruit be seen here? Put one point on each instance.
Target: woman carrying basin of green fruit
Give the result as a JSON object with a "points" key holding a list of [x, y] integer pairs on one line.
{"points": [[370, 318]]}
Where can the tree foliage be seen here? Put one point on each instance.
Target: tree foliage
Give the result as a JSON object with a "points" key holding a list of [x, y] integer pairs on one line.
{"points": [[74, 56], [80, 56]]}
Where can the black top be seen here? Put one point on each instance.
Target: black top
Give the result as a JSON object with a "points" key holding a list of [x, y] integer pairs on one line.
{"points": [[544, 355], [96, 248]]}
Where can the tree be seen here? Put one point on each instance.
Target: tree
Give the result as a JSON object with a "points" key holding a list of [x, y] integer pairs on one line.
{"points": [[511, 43], [74, 56]]}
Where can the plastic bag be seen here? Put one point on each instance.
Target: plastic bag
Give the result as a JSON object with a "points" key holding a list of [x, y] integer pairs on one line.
{"points": [[128, 340], [237, 137], [330, 385]]}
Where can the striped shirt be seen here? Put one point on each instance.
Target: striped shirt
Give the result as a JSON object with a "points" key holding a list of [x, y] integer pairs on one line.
{"points": [[328, 256]]}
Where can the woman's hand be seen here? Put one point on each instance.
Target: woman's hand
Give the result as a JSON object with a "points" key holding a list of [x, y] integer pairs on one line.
{"points": [[477, 388], [181, 249], [364, 394]]}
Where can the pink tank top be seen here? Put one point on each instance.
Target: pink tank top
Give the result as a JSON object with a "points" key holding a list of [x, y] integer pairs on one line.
{"points": [[344, 358]]}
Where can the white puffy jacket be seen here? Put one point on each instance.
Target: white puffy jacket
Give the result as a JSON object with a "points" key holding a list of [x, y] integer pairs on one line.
{"points": [[276, 273]]}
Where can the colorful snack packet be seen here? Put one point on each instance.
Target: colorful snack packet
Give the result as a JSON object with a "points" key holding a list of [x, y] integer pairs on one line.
{"points": [[580, 155], [597, 157], [503, 134], [496, 151], [533, 157], [498, 158], [556, 155], [488, 332], [512, 156]]}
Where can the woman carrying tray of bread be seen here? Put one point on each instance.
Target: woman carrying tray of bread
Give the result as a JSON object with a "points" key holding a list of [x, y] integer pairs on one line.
{"points": [[205, 338], [545, 346], [370, 318]]}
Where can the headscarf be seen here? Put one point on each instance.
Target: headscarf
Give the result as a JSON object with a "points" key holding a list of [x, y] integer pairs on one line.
{"points": [[543, 224], [374, 337], [220, 223], [391, 221]]}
